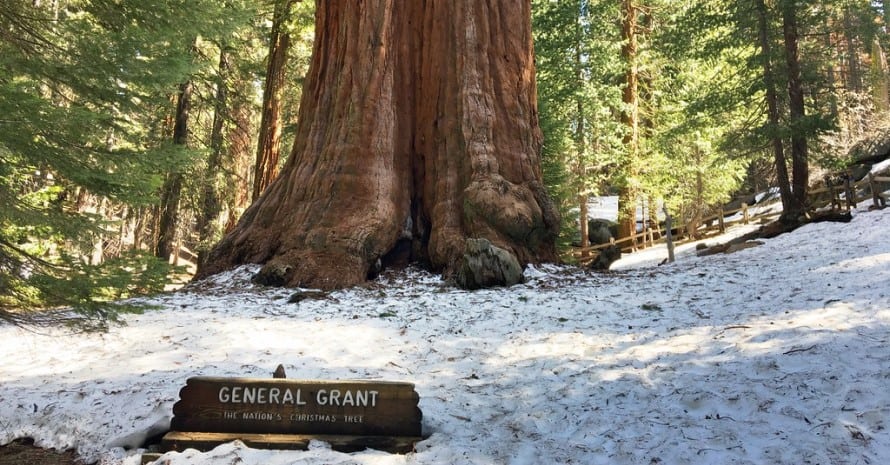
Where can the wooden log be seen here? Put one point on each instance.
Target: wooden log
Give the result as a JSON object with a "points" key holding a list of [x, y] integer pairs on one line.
{"points": [[180, 441], [149, 457], [830, 216]]}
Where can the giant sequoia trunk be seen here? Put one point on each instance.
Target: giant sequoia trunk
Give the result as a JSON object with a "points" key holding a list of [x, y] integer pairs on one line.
{"points": [[418, 130]]}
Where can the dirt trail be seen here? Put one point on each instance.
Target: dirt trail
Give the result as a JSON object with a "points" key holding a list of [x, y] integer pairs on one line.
{"points": [[22, 452]]}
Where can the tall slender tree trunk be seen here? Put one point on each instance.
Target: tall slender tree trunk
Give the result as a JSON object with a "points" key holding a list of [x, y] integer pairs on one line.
{"points": [[627, 195], [211, 197], [772, 104], [880, 77], [831, 72], [799, 157], [269, 145], [418, 131], [240, 163], [172, 189], [854, 71], [581, 166]]}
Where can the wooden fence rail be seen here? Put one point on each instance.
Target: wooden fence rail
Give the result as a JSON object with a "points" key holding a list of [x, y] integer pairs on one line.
{"points": [[717, 223]]}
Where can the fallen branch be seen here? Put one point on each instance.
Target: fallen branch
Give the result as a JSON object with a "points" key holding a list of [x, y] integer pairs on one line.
{"points": [[799, 349], [777, 228]]}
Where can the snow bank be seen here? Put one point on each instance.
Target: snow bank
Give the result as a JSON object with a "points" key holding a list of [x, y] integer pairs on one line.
{"points": [[773, 355]]}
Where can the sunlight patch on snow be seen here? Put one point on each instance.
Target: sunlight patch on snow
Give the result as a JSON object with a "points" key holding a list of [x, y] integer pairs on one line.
{"points": [[577, 346], [653, 256], [610, 357], [802, 330], [867, 262], [880, 167], [777, 354], [690, 343], [41, 356]]}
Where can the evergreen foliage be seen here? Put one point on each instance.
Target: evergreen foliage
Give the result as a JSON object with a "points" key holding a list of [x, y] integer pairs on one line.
{"points": [[693, 167], [703, 131], [578, 68], [83, 89]]}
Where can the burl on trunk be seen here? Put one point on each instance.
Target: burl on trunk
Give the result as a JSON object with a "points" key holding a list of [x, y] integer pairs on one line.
{"points": [[418, 130]]}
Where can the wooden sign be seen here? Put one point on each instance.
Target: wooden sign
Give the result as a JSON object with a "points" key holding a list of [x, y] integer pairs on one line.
{"points": [[280, 413]]}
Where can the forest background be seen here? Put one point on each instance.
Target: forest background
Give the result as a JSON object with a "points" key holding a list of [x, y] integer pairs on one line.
{"points": [[134, 133]]}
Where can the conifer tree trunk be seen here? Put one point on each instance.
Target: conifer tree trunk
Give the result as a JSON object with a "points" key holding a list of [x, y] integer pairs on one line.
{"points": [[211, 198], [831, 73], [584, 218], [418, 131], [269, 145], [854, 71], [581, 167], [240, 162], [879, 77], [772, 103], [172, 189], [627, 195], [799, 156]]}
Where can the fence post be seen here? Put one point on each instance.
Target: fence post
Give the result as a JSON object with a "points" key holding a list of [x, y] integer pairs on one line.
{"points": [[874, 190], [669, 234], [835, 197], [176, 251], [745, 218], [720, 221], [850, 191]]}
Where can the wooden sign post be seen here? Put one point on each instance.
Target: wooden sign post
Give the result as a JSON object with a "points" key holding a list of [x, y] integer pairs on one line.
{"points": [[287, 414]]}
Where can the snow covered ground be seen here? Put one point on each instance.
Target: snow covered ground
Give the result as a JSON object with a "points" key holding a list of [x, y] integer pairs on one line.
{"points": [[778, 354]]}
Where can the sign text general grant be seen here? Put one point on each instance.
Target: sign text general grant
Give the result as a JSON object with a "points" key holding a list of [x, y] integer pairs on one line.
{"points": [[264, 395]]}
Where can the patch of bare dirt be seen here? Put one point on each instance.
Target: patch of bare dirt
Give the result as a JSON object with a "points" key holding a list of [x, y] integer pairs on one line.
{"points": [[23, 452]]}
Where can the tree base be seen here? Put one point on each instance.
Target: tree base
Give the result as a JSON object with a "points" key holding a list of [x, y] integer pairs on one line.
{"points": [[484, 265], [402, 157]]}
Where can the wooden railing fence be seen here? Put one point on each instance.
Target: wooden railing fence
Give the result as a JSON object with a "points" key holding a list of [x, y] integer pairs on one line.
{"points": [[844, 195]]}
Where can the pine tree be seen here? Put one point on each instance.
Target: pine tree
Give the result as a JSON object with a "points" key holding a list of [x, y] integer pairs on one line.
{"points": [[783, 76], [575, 45], [79, 88]]}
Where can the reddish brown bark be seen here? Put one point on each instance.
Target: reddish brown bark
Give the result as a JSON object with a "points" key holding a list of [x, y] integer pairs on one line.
{"points": [[772, 101], [627, 195], [240, 163], [211, 196], [799, 152], [172, 189], [418, 130], [269, 144]]}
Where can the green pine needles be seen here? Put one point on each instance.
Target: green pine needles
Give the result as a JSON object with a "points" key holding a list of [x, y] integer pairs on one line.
{"points": [[84, 91]]}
